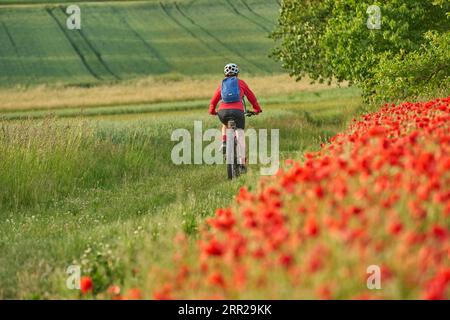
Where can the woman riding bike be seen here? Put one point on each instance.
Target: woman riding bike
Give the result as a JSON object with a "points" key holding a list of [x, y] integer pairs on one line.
{"points": [[232, 91]]}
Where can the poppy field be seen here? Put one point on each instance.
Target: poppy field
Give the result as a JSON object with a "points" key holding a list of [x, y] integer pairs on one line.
{"points": [[377, 194]]}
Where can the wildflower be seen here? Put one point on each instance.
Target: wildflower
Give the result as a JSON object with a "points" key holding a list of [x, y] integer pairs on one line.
{"points": [[440, 233], [395, 227], [165, 293], [86, 284], [113, 290], [214, 248], [286, 260], [223, 220], [216, 279], [134, 294], [311, 227]]}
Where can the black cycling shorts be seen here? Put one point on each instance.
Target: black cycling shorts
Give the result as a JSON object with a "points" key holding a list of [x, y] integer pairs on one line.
{"points": [[237, 115]]}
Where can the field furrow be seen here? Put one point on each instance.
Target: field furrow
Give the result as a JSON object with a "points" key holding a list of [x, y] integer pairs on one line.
{"points": [[227, 46], [239, 13], [168, 11], [8, 44], [76, 47], [165, 66], [259, 16]]}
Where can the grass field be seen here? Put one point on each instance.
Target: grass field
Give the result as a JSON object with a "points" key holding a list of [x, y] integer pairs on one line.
{"points": [[149, 90], [123, 40], [108, 184], [85, 123]]}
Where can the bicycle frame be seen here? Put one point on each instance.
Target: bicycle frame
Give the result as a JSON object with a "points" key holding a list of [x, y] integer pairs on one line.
{"points": [[233, 169]]}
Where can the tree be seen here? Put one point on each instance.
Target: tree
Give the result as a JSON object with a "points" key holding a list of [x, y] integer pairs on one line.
{"points": [[417, 74], [331, 40]]}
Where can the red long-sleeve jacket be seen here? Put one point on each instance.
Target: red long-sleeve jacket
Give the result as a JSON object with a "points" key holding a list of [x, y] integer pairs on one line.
{"points": [[245, 91]]}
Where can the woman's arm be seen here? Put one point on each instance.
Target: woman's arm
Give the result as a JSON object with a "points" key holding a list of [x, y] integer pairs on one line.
{"points": [[214, 101], [251, 97]]}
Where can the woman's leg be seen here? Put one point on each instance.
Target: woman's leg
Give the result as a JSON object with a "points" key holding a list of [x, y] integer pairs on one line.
{"points": [[224, 139], [239, 118], [240, 136], [224, 133]]}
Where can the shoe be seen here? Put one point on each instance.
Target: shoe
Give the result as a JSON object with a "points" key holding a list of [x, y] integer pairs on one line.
{"points": [[243, 168], [224, 147]]}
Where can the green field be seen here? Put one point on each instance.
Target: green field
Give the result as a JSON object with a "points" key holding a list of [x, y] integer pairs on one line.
{"points": [[123, 40], [164, 107], [103, 192], [93, 183]]}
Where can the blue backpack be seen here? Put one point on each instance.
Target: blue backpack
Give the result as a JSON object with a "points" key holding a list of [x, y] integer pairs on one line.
{"points": [[230, 90]]}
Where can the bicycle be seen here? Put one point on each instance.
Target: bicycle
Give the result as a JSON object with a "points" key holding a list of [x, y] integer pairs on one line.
{"points": [[233, 168]]}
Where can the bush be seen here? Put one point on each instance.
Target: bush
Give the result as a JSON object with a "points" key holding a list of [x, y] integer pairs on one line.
{"points": [[418, 74]]}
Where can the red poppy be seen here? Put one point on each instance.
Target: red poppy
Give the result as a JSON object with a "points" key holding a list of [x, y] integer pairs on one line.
{"points": [[214, 248], [311, 227], [134, 294], [86, 284], [113, 290], [216, 279]]}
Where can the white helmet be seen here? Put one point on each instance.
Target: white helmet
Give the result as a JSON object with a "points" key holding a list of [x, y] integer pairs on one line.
{"points": [[231, 69]]}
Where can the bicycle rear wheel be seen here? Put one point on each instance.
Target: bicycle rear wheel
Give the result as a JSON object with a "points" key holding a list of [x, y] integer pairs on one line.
{"points": [[232, 168], [230, 171]]}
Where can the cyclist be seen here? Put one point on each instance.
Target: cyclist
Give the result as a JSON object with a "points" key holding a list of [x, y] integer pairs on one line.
{"points": [[232, 91]]}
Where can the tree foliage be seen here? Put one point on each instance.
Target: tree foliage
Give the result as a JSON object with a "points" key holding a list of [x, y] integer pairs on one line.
{"points": [[327, 39], [413, 75]]}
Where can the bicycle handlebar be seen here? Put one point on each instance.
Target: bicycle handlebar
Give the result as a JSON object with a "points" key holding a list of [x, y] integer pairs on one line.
{"points": [[250, 113], [247, 113]]}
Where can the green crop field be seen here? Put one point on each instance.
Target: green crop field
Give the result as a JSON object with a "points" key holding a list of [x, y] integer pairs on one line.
{"points": [[123, 40]]}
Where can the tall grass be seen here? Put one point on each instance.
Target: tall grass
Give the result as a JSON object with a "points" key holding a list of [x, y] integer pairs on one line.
{"points": [[45, 160]]}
